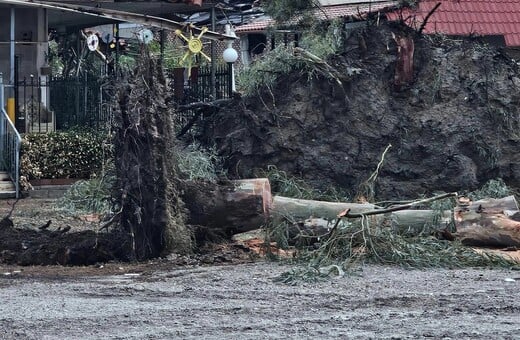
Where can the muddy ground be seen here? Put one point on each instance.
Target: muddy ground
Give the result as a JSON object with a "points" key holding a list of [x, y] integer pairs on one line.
{"points": [[37, 236], [160, 301], [198, 297]]}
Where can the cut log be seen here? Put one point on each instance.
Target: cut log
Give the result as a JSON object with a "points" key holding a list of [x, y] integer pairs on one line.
{"points": [[488, 223], [227, 208]]}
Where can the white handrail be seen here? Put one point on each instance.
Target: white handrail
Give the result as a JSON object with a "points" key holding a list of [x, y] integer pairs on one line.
{"points": [[9, 144]]}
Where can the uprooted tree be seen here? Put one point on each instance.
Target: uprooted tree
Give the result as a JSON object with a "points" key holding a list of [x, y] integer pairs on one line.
{"points": [[151, 209], [149, 219]]}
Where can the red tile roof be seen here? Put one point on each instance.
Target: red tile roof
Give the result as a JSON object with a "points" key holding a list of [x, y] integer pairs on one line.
{"points": [[325, 12], [254, 26], [464, 17]]}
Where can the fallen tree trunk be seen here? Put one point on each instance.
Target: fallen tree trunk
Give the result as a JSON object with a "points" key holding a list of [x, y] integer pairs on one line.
{"points": [[244, 205], [303, 209], [225, 209], [488, 223]]}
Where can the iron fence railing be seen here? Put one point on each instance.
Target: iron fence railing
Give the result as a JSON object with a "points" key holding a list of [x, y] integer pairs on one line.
{"points": [[10, 143], [60, 103], [199, 87]]}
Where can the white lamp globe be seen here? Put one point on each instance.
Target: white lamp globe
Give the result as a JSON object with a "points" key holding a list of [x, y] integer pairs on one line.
{"points": [[230, 55]]}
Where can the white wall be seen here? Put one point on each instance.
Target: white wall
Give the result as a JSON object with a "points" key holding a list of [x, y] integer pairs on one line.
{"points": [[30, 37]]}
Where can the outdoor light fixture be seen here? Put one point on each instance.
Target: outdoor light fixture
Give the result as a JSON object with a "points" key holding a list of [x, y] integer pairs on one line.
{"points": [[230, 55]]}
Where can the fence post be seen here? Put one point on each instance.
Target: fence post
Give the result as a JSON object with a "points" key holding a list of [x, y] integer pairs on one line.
{"points": [[1, 91], [230, 80], [2, 121]]}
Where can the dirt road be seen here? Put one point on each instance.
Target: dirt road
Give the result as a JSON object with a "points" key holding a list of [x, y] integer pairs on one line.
{"points": [[242, 302]]}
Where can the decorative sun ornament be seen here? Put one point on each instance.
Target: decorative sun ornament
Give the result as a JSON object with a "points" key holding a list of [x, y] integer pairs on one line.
{"points": [[194, 47]]}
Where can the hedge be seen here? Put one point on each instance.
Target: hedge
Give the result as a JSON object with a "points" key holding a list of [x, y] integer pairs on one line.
{"points": [[63, 154]]}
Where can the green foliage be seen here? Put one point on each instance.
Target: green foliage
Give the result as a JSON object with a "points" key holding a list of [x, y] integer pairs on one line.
{"points": [[89, 196], [290, 186], [172, 56], [303, 274], [283, 10], [323, 40], [196, 163], [64, 154], [429, 252], [439, 208], [127, 62], [352, 244], [267, 71], [53, 58], [494, 188]]}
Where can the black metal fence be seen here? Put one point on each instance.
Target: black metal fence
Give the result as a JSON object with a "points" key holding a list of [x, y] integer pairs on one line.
{"points": [[79, 102], [198, 87], [61, 103]]}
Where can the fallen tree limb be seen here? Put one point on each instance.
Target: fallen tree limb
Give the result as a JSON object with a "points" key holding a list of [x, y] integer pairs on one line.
{"points": [[190, 123], [427, 17]]}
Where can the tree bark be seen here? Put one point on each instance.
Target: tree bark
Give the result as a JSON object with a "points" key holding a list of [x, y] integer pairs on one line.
{"points": [[304, 209], [225, 209], [413, 222], [488, 223], [244, 205], [145, 144]]}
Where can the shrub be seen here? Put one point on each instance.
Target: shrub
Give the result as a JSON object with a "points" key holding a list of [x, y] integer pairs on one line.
{"points": [[63, 154], [198, 163], [91, 196], [321, 41]]}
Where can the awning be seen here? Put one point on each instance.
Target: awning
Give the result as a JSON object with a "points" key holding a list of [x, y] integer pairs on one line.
{"points": [[150, 13]]}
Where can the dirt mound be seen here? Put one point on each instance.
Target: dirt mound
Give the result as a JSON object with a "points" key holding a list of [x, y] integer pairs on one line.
{"points": [[454, 127], [71, 238]]}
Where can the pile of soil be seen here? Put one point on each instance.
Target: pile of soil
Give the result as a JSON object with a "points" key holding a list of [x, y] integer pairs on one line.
{"points": [[39, 232], [453, 128]]}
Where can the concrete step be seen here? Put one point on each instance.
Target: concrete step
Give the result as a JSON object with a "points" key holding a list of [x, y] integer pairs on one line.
{"points": [[7, 194], [4, 176], [7, 186]]}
